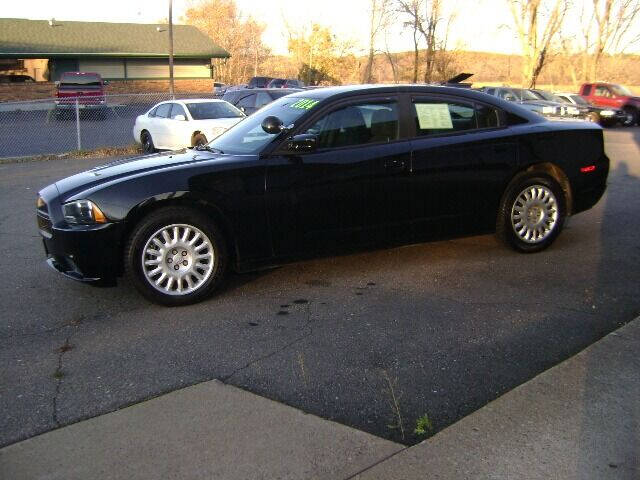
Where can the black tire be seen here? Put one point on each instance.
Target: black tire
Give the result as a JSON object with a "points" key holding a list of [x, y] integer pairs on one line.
{"points": [[198, 139], [177, 220], [632, 117], [147, 142], [548, 213]]}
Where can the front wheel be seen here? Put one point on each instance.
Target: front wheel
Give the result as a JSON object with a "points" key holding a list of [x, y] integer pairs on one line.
{"points": [[532, 213], [176, 256], [631, 117]]}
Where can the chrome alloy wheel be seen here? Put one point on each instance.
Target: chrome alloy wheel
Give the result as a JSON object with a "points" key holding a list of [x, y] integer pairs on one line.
{"points": [[177, 259], [534, 214]]}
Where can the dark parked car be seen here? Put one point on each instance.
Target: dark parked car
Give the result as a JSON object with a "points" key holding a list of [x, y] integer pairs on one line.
{"points": [[285, 83], [528, 100], [605, 116], [259, 82], [250, 100], [16, 78], [316, 171]]}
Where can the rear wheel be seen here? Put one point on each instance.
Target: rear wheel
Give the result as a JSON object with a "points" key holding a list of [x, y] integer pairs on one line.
{"points": [[176, 256], [147, 142], [532, 213]]}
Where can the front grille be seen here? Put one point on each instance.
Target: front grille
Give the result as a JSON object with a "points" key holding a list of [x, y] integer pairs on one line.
{"points": [[44, 225]]}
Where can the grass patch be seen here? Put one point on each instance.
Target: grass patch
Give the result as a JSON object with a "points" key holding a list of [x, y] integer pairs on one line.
{"points": [[133, 149]]}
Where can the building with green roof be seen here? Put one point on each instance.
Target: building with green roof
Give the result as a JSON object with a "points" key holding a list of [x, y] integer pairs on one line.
{"points": [[117, 51]]}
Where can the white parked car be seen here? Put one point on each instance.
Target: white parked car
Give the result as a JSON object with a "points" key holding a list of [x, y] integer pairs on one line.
{"points": [[177, 124]]}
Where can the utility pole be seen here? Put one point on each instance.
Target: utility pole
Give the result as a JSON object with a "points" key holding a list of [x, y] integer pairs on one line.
{"points": [[171, 90]]}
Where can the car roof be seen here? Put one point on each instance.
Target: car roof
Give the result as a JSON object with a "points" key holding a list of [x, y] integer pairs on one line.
{"points": [[467, 93]]}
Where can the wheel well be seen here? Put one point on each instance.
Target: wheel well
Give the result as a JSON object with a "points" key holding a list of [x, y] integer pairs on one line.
{"points": [[138, 213], [558, 174]]}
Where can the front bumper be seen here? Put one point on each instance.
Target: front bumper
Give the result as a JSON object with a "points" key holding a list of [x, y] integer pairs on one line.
{"points": [[86, 253]]}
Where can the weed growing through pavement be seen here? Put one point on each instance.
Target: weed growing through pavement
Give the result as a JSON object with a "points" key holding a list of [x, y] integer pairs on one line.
{"points": [[423, 425], [394, 403]]}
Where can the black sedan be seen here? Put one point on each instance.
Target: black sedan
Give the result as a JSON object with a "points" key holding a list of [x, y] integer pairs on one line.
{"points": [[315, 172]]}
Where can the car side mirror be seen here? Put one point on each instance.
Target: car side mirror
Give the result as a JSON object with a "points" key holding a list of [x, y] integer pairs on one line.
{"points": [[56, 83], [105, 82], [305, 142], [272, 125], [243, 110], [179, 118]]}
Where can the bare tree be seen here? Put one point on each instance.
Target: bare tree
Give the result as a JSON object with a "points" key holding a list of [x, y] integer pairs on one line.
{"points": [[537, 23], [616, 28], [425, 15], [378, 22]]}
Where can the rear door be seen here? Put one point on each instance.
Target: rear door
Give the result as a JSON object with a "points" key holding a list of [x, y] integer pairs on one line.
{"points": [[603, 95], [461, 159]]}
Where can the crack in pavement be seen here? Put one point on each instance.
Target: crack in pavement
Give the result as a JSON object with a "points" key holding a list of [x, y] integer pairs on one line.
{"points": [[58, 375], [307, 325]]}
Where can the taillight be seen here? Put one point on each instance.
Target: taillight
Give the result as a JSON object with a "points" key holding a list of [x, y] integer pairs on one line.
{"points": [[588, 169]]}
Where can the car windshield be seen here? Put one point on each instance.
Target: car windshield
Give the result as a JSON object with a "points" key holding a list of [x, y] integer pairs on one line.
{"points": [[621, 91], [579, 100], [209, 110], [523, 94], [549, 96], [248, 137]]}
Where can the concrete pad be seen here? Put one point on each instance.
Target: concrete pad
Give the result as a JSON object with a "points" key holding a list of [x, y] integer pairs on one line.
{"points": [[578, 420], [210, 430]]}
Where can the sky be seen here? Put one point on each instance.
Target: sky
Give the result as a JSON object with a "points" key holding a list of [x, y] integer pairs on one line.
{"points": [[482, 25]]}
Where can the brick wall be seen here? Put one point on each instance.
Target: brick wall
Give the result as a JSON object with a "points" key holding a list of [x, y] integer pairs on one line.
{"points": [[12, 92]]}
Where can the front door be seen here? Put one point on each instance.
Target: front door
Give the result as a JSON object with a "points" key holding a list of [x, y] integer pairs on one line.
{"points": [[321, 200]]}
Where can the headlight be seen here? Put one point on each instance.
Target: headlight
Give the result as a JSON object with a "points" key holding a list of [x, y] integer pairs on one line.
{"points": [[607, 113], [83, 212], [549, 110]]}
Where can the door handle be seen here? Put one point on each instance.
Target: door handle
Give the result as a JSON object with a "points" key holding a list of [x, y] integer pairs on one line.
{"points": [[395, 165]]}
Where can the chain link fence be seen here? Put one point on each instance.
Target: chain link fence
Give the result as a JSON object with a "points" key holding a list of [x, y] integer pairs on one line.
{"points": [[55, 126]]}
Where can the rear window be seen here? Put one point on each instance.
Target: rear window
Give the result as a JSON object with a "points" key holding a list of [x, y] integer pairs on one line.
{"points": [[87, 80]]}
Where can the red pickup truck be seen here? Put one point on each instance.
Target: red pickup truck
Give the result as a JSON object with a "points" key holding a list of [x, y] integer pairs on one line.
{"points": [[614, 96], [87, 88]]}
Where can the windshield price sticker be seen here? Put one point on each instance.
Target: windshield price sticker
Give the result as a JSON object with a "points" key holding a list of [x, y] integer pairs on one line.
{"points": [[305, 104], [433, 116]]}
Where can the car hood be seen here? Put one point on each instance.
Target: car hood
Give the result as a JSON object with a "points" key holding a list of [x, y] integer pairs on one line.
{"points": [[128, 167]]}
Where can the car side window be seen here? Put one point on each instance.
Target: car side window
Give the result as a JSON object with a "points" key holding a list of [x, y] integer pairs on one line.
{"points": [[177, 110], [163, 110], [262, 99], [248, 101], [435, 117], [357, 125], [152, 113], [587, 90], [490, 91], [602, 92], [487, 117]]}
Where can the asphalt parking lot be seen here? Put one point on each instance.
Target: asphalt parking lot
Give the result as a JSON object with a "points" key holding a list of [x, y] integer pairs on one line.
{"points": [[373, 340]]}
